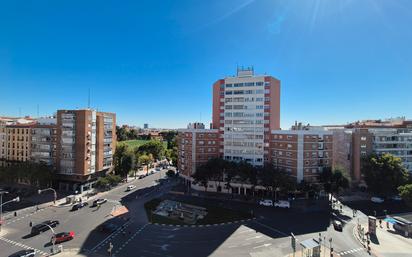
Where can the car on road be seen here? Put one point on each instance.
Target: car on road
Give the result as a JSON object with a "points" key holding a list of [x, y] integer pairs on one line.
{"points": [[282, 204], [130, 188], [376, 199], [109, 227], [24, 253], [337, 225], [62, 237], [78, 206], [99, 202], [396, 198], [158, 169], [266, 202], [44, 226], [142, 176]]}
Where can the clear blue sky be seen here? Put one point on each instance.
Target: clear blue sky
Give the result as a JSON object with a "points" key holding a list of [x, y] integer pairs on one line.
{"points": [[155, 61]]}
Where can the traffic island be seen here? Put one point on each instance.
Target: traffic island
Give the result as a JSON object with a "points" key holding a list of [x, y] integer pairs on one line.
{"points": [[182, 213]]}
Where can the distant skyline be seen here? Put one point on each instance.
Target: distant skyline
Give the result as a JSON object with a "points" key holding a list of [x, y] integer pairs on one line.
{"points": [[155, 61]]}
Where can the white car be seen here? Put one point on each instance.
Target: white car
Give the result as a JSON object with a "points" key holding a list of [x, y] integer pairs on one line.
{"points": [[130, 188], [282, 204], [396, 198], [376, 199], [266, 202]]}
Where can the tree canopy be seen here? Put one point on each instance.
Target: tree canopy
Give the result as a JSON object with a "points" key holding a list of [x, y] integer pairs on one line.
{"points": [[333, 180], [384, 174], [35, 174], [405, 192]]}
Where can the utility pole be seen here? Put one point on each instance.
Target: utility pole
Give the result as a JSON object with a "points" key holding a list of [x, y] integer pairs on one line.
{"points": [[293, 243], [17, 199]]}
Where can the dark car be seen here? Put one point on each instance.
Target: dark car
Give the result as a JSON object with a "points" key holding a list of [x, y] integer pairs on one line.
{"points": [[109, 227], [141, 176], [79, 206], [24, 253], [337, 225], [99, 202], [44, 226], [63, 237]]}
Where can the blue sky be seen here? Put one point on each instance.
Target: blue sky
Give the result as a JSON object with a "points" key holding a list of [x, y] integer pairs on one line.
{"points": [[155, 61]]}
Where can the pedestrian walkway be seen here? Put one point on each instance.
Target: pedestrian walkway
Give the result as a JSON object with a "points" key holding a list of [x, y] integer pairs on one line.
{"points": [[22, 245], [20, 216], [351, 251], [388, 242]]}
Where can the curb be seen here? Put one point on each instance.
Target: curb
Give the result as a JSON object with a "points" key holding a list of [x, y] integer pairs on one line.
{"points": [[204, 225]]}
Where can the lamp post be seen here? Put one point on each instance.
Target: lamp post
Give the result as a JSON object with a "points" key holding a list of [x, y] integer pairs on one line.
{"points": [[53, 237], [17, 199], [47, 189]]}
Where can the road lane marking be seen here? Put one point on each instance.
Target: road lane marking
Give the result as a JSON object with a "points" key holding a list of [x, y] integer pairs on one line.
{"points": [[110, 236], [264, 245], [22, 245], [128, 241]]}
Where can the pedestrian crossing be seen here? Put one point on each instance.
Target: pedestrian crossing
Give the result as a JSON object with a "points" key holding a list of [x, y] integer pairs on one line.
{"points": [[22, 245], [351, 251]]}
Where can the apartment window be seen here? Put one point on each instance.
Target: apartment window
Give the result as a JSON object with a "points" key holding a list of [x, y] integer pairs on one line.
{"points": [[363, 146], [363, 138], [228, 85]]}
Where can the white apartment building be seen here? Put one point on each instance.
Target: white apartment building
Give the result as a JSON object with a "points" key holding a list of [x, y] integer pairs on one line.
{"points": [[245, 109]]}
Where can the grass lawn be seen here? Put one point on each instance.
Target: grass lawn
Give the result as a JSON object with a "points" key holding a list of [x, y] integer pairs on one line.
{"points": [[215, 214], [132, 144]]}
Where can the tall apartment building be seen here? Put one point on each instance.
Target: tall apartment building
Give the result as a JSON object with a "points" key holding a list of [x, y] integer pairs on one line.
{"points": [[245, 109], [196, 146], [43, 141], [302, 153], [86, 141]]}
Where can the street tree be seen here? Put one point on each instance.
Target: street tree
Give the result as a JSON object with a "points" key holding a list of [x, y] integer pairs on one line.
{"points": [[405, 192], [384, 174]]}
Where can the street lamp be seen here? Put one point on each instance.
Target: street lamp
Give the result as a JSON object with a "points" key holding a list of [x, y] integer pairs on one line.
{"points": [[47, 189], [53, 237], [17, 199]]}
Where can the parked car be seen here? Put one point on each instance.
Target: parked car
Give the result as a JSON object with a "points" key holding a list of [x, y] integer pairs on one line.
{"points": [[282, 204], [376, 199], [396, 198], [337, 225], [63, 237], [266, 202], [44, 226], [130, 187], [142, 176], [99, 202], [79, 206], [24, 253]]}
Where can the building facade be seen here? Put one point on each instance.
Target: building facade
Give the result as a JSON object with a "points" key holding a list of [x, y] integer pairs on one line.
{"points": [[43, 141], [302, 153], [195, 147], [245, 109], [86, 141]]}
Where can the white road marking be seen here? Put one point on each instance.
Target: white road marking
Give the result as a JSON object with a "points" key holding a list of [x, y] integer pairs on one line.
{"points": [[260, 246], [22, 245], [255, 237]]}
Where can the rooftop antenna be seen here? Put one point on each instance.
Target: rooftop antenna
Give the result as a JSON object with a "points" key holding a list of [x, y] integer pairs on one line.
{"points": [[88, 100]]}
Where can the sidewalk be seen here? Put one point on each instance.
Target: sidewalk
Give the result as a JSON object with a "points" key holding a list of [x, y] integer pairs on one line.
{"points": [[388, 242]]}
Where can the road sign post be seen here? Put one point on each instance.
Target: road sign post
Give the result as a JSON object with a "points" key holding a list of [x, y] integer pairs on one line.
{"points": [[293, 243]]}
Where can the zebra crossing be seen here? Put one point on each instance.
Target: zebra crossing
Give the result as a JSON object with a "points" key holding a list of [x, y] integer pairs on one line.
{"points": [[351, 251], [22, 246]]}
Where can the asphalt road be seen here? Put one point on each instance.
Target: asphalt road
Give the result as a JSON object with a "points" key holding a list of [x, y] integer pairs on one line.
{"points": [[16, 231], [267, 235]]}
